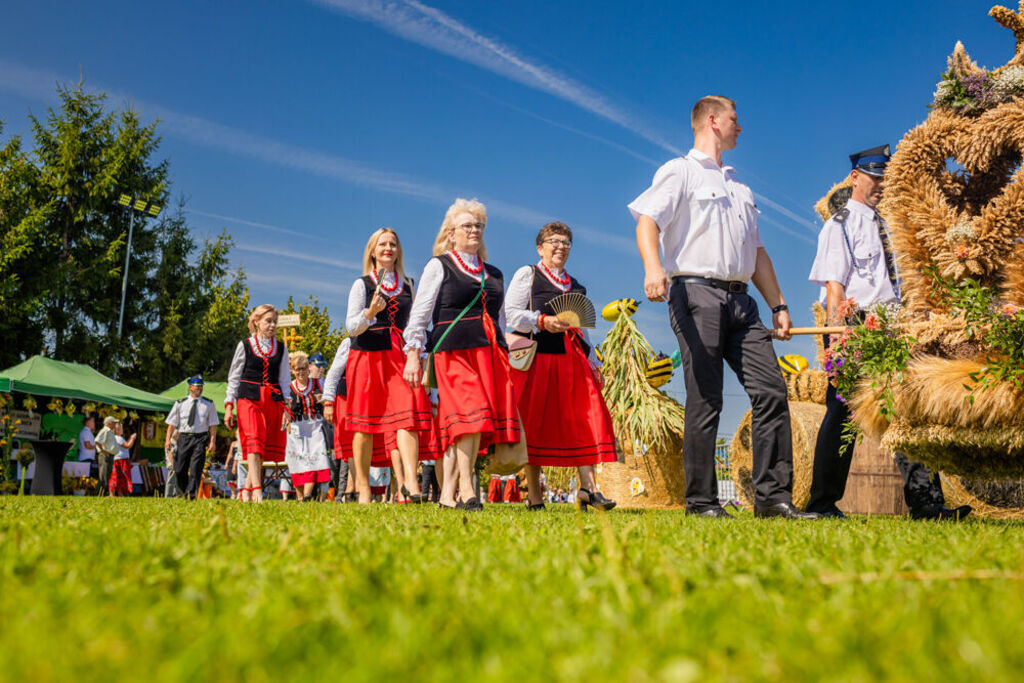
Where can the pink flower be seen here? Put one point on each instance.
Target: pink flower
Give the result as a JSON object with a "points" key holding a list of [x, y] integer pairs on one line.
{"points": [[1010, 310], [871, 322], [961, 252]]}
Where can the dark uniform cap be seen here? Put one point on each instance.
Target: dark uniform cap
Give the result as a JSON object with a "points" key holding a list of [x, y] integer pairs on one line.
{"points": [[871, 161], [318, 359], [198, 379]]}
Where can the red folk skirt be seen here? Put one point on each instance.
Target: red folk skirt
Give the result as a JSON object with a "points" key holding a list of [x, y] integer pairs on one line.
{"points": [[121, 477], [379, 400], [314, 477], [512, 490], [382, 444], [476, 396], [565, 417], [259, 426]]}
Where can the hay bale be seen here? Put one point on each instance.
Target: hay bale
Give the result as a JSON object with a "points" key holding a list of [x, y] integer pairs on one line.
{"points": [[809, 386], [804, 419], [660, 473], [992, 499]]}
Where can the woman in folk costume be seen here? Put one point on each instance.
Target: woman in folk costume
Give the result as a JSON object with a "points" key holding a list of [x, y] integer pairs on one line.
{"points": [[335, 399], [258, 382], [306, 455], [379, 400], [565, 417], [476, 401]]}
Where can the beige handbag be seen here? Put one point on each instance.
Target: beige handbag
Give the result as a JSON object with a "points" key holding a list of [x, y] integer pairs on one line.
{"points": [[521, 351], [508, 458]]}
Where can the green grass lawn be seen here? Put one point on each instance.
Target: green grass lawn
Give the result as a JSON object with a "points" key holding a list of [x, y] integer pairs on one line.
{"points": [[166, 590]]}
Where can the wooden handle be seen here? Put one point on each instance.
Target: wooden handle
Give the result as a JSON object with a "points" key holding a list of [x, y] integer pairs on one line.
{"points": [[839, 329]]}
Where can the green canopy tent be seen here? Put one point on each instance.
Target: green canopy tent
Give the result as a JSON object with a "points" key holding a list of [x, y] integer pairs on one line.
{"points": [[215, 391], [43, 376]]}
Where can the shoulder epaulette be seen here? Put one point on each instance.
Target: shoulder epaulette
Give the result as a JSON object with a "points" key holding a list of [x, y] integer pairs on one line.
{"points": [[203, 398], [182, 400], [841, 215]]}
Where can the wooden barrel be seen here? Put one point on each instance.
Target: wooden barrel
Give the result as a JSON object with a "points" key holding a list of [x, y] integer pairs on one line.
{"points": [[875, 486]]}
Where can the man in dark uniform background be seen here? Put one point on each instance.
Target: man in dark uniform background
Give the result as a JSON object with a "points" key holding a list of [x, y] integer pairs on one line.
{"points": [[194, 418]]}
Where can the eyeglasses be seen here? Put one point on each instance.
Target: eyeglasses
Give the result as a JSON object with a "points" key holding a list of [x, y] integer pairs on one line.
{"points": [[470, 227], [564, 244]]}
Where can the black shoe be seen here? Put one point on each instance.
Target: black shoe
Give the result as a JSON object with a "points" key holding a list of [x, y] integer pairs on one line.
{"points": [[416, 498], [712, 512], [471, 505], [783, 510], [442, 506], [941, 513], [593, 499], [538, 506], [835, 513]]}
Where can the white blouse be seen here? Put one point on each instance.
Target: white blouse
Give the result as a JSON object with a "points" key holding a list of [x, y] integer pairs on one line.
{"points": [[337, 370], [284, 378], [517, 304], [426, 296], [355, 320]]}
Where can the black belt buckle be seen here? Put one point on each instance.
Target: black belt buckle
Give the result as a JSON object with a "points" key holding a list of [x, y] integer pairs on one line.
{"points": [[737, 287]]}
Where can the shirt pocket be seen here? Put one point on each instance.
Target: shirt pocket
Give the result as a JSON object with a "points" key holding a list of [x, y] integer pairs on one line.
{"points": [[865, 259]]}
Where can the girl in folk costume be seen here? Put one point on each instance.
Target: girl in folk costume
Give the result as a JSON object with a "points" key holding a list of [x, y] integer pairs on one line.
{"points": [[565, 417], [379, 400], [476, 401], [306, 454], [335, 400], [258, 381]]}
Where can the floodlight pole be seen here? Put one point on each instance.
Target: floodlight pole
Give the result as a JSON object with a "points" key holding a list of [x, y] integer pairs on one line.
{"points": [[124, 280]]}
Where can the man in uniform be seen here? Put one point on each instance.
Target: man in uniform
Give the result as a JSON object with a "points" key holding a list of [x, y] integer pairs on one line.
{"points": [[194, 419], [705, 221], [856, 269]]}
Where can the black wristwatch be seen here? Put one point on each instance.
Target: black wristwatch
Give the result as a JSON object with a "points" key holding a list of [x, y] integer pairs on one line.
{"points": [[780, 308]]}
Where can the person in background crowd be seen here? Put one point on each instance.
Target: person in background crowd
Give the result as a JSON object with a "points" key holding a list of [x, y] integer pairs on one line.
{"points": [[307, 447], [106, 449], [564, 415], [121, 476], [259, 379], [171, 489], [317, 366], [87, 444], [236, 467], [194, 421], [856, 270], [703, 219], [476, 400]]}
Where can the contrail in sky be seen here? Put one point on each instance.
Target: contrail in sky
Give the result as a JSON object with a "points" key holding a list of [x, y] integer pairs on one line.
{"points": [[39, 85], [432, 28]]}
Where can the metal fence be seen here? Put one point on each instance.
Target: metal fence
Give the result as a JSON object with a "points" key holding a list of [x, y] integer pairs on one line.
{"points": [[723, 473]]}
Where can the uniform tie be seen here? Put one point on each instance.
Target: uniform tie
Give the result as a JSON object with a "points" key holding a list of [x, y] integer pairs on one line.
{"points": [[192, 413], [890, 262]]}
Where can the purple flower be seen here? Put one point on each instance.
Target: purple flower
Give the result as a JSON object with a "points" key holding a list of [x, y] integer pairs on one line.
{"points": [[840, 397], [976, 85]]}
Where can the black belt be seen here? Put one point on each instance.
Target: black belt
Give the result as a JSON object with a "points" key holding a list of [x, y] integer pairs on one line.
{"points": [[734, 286], [206, 433]]}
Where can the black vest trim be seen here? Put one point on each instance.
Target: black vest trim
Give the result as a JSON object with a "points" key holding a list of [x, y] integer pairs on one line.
{"points": [[377, 337], [457, 290], [541, 292]]}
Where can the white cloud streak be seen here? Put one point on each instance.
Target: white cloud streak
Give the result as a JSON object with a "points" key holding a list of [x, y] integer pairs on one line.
{"points": [[300, 256], [433, 29]]}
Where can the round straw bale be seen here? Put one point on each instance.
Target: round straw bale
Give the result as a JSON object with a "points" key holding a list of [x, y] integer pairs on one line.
{"points": [[990, 498]]}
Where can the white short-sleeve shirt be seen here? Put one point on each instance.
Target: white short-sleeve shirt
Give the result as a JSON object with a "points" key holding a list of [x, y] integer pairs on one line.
{"points": [[707, 218], [863, 273], [85, 452]]}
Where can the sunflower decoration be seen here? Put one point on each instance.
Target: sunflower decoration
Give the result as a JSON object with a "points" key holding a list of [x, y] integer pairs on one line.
{"points": [[55, 406], [89, 407], [133, 415], [70, 409], [29, 404]]}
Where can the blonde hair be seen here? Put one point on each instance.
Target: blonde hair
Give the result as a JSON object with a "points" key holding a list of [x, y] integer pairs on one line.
{"points": [[443, 242], [709, 104], [258, 313], [370, 261], [297, 360]]}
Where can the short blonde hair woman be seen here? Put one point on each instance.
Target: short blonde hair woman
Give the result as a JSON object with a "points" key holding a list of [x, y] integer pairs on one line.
{"points": [[379, 402], [477, 405], [258, 381], [306, 453]]}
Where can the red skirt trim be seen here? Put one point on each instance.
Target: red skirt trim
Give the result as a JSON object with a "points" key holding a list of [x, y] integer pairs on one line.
{"points": [[564, 415], [315, 477], [379, 400], [476, 396], [259, 426], [383, 444]]}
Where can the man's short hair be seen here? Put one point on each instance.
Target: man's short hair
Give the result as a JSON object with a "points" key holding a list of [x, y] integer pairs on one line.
{"points": [[709, 104]]}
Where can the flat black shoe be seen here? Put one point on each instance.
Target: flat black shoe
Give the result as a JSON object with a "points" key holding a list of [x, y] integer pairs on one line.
{"points": [[538, 506], [783, 510], [471, 505], [594, 499], [942, 513], [713, 513], [832, 514]]}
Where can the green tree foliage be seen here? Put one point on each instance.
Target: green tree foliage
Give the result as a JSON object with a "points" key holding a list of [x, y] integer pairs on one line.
{"points": [[315, 330], [64, 238]]}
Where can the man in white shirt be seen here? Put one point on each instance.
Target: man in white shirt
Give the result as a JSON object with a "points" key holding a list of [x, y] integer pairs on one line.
{"points": [[86, 441], [704, 220], [194, 419], [855, 266]]}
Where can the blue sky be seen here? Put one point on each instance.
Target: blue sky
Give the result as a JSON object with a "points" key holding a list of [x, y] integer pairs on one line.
{"points": [[301, 127]]}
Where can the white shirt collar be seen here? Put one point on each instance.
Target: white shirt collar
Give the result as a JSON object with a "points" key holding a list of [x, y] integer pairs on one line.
{"points": [[708, 161], [857, 207], [471, 259]]}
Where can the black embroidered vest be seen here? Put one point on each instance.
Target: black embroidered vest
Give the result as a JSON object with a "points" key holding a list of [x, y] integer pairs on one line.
{"points": [[541, 292], [457, 290], [307, 407], [258, 371], [377, 337]]}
